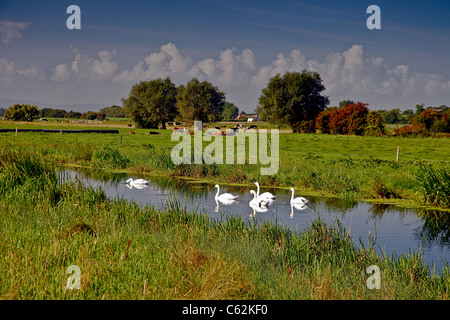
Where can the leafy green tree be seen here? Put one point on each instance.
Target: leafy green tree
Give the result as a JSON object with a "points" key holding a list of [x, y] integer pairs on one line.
{"points": [[392, 116], [230, 111], [292, 99], [344, 103], [52, 113], [374, 124], [90, 115], [73, 115], [200, 101], [419, 109], [22, 112], [114, 111], [151, 103]]}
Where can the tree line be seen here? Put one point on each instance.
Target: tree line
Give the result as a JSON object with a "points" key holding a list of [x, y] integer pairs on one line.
{"points": [[154, 103], [26, 112], [293, 99]]}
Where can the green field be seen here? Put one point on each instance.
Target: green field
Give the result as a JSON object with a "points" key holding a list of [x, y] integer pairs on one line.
{"points": [[353, 167]]}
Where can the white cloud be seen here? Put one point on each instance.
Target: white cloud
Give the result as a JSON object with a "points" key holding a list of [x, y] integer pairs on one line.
{"points": [[350, 74], [85, 68], [11, 30], [10, 73]]}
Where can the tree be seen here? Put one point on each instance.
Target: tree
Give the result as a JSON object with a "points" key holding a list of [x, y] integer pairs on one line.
{"points": [[230, 111], [374, 125], [292, 99], [200, 101], [90, 115], [152, 102], [392, 116], [324, 118], [22, 112], [73, 115], [114, 111], [350, 119], [344, 103], [52, 113], [2, 111]]}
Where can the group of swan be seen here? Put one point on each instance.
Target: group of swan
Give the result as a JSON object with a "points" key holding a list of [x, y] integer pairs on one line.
{"points": [[260, 202]]}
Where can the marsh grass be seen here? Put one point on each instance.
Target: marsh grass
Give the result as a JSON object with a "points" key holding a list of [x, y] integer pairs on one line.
{"points": [[434, 185], [350, 167], [130, 251]]}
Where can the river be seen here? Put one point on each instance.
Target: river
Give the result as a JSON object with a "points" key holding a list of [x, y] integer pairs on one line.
{"points": [[395, 230]]}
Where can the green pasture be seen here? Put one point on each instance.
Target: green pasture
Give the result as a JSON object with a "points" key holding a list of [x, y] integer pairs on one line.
{"points": [[355, 167]]}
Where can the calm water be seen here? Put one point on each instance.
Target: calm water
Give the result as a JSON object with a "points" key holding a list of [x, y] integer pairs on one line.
{"points": [[396, 230]]}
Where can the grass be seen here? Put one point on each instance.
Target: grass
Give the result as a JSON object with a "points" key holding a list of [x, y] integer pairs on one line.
{"points": [[350, 167], [130, 251]]}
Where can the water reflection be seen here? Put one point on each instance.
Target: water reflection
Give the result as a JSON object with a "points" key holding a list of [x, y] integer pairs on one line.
{"points": [[397, 230], [297, 206]]}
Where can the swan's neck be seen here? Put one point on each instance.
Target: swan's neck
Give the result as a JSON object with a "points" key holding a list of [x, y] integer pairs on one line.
{"points": [[257, 191], [292, 196], [217, 193]]}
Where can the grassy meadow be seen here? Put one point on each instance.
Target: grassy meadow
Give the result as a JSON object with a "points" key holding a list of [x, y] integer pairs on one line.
{"points": [[128, 251], [351, 167]]}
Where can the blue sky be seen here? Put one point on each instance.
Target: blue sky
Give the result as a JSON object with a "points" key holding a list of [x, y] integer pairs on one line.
{"points": [[237, 45]]}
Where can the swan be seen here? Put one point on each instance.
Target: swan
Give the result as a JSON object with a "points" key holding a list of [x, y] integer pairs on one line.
{"points": [[297, 206], [265, 195], [224, 197], [225, 202], [298, 200], [255, 209], [137, 182], [257, 201]]}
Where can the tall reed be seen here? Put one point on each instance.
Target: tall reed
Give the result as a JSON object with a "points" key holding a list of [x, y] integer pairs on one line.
{"points": [[434, 185]]}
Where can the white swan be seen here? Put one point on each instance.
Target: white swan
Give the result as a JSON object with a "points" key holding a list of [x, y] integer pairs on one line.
{"points": [[137, 183], [265, 195], [257, 201], [224, 197], [225, 202], [255, 209], [298, 200], [297, 206]]}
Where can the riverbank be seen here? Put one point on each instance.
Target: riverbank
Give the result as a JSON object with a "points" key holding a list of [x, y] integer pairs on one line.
{"points": [[127, 251]]}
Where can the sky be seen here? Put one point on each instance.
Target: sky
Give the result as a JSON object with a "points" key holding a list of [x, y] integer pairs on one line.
{"points": [[236, 45]]}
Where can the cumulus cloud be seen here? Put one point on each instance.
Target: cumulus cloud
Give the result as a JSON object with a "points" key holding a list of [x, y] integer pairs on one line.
{"points": [[85, 68], [349, 74], [10, 73], [11, 30]]}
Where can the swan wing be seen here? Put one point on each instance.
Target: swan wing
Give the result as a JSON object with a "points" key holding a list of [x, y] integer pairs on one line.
{"points": [[140, 181], [227, 196], [267, 195]]}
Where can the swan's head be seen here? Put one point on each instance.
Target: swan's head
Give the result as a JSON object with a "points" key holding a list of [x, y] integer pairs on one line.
{"points": [[253, 192], [292, 189], [257, 183], [216, 186], [129, 180]]}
